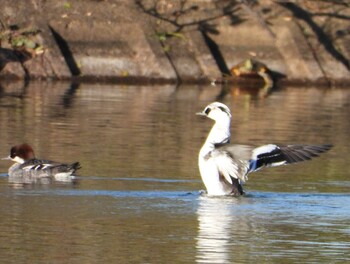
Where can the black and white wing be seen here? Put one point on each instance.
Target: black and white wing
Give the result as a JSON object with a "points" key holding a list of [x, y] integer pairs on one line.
{"points": [[237, 161], [49, 167], [272, 155], [37, 164]]}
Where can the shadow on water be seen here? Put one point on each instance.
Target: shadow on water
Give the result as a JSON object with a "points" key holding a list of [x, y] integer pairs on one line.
{"points": [[12, 90]]}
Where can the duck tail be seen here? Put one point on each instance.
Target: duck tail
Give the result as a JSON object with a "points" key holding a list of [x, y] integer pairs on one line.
{"points": [[74, 166]]}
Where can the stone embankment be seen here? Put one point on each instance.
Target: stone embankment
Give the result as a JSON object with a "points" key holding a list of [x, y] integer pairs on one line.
{"points": [[173, 40]]}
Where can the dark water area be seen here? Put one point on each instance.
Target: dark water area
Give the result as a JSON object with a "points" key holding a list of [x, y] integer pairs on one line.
{"points": [[137, 197]]}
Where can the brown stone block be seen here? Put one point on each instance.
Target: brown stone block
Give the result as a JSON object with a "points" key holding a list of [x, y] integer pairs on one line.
{"points": [[10, 65], [108, 50], [51, 64], [300, 62], [13, 70], [191, 57]]}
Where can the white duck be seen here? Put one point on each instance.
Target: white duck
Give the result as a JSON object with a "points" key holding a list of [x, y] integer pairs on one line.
{"points": [[225, 167]]}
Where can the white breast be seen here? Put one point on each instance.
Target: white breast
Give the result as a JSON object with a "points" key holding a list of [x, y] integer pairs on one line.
{"points": [[210, 176]]}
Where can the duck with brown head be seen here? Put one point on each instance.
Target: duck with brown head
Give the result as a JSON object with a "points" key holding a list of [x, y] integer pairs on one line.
{"points": [[29, 169]]}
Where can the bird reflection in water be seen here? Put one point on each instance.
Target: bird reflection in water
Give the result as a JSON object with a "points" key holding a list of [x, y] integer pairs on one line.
{"points": [[221, 226], [254, 90]]}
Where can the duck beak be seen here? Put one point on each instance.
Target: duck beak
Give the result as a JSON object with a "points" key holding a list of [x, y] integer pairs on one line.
{"points": [[7, 158], [201, 114]]}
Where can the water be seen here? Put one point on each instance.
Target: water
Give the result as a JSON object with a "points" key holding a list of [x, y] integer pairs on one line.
{"points": [[137, 200]]}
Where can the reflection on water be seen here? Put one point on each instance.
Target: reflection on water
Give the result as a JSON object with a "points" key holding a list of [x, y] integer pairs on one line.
{"points": [[254, 91], [273, 227], [216, 225], [136, 199], [28, 182]]}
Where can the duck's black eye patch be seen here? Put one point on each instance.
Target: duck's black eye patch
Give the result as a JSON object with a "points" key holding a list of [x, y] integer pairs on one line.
{"points": [[13, 152], [223, 109], [207, 111]]}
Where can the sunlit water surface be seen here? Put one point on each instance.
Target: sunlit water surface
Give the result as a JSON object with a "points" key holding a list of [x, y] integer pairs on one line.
{"points": [[137, 200]]}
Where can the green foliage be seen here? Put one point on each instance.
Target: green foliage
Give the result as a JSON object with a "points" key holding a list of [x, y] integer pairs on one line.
{"points": [[22, 39], [67, 5], [163, 36]]}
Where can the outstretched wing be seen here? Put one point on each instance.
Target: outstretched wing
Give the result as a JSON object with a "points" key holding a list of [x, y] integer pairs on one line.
{"points": [[272, 155]]}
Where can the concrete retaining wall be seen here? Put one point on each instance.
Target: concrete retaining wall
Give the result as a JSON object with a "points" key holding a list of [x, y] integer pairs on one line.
{"points": [[168, 41]]}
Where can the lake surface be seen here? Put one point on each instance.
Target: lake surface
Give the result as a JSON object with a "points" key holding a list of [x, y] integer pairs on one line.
{"points": [[136, 198]]}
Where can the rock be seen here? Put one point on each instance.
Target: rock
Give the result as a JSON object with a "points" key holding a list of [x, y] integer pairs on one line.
{"points": [[10, 65]]}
